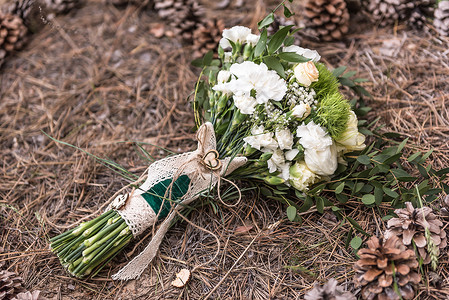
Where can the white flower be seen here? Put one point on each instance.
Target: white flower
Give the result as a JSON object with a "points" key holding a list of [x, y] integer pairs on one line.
{"points": [[236, 34], [302, 110], [252, 39], [277, 163], [253, 77], [306, 73], [284, 138], [301, 177], [260, 140], [291, 154], [227, 57], [307, 53], [246, 104], [320, 153], [352, 139], [223, 76]]}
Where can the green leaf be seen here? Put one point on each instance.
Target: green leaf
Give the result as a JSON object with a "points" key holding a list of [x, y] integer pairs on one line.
{"points": [[265, 191], [338, 71], [320, 205], [392, 159], [356, 225], [293, 57], [356, 243], [278, 38], [413, 156], [348, 238], [368, 199], [425, 156], [346, 82], [289, 41], [364, 159], [291, 213], [197, 62], [378, 195], [287, 12], [308, 203], [261, 44], [340, 188], [342, 198], [208, 58], [274, 64], [349, 74], [402, 145], [402, 175], [266, 21]]}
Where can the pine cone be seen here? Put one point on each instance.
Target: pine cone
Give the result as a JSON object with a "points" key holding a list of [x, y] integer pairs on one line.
{"points": [[329, 291], [12, 34], [441, 20], [60, 6], [387, 12], [328, 19], [10, 285], [410, 226], [30, 11], [384, 262], [184, 16], [207, 36]]}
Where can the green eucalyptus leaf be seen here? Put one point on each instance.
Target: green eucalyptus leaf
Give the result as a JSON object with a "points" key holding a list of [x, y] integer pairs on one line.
{"points": [[356, 243], [274, 64], [320, 205], [340, 188], [261, 44], [364, 159], [293, 57], [266, 21], [287, 12], [368, 199], [278, 38], [338, 71], [291, 213]]}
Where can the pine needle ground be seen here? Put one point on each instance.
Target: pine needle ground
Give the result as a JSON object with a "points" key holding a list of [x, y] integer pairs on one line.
{"points": [[100, 81]]}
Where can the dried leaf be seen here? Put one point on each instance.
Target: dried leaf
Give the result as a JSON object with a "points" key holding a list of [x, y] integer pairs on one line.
{"points": [[243, 229], [181, 278]]}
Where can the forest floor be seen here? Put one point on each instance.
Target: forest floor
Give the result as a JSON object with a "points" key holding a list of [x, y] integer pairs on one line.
{"points": [[97, 79]]}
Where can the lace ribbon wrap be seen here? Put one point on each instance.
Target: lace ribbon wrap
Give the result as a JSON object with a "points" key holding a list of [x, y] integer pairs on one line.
{"points": [[203, 171]]}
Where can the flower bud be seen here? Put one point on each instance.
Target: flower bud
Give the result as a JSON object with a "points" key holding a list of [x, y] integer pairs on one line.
{"points": [[274, 180], [266, 156], [247, 50]]}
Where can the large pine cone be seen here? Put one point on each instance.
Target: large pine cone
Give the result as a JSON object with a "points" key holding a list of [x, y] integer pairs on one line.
{"points": [[10, 285], [329, 291], [12, 34], [184, 16], [387, 12], [410, 226], [441, 20], [207, 36], [329, 19], [383, 263]]}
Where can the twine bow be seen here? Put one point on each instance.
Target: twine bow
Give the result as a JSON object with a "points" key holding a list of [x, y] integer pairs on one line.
{"points": [[204, 168]]}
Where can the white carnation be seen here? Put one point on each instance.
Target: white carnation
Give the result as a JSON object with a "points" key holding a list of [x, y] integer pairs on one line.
{"points": [[236, 34], [253, 77], [260, 140], [320, 153], [307, 53], [223, 76], [291, 154], [252, 39], [246, 104], [301, 177], [277, 163], [284, 138]]}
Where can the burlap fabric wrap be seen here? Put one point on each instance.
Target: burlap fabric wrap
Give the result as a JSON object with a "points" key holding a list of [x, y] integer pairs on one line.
{"points": [[139, 215]]}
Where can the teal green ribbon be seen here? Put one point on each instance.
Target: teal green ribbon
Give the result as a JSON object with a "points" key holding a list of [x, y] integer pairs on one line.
{"points": [[158, 196]]}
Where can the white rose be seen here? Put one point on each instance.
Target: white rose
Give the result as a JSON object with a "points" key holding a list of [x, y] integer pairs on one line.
{"points": [[352, 139], [246, 104], [223, 76], [302, 110], [236, 34], [252, 39], [260, 140], [301, 177], [306, 73], [307, 53], [284, 138], [320, 152], [322, 162]]}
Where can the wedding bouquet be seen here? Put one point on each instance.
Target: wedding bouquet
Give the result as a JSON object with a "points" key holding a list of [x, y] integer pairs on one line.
{"points": [[269, 111]]}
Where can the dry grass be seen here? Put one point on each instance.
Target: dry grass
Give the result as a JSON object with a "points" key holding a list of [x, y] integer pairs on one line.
{"points": [[97, 79]]}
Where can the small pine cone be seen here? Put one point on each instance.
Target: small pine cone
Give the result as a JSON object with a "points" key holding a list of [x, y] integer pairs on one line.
{"points": [[60, 6], [12, 34], [207, 36], [441, 21], [410, 225], [328, 19], [10, 285], [21, 8], [329, 291], [184, 16], [383, 263]]}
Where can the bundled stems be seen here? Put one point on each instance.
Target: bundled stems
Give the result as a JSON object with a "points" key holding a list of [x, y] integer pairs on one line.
{"points": [[91, 245]]}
